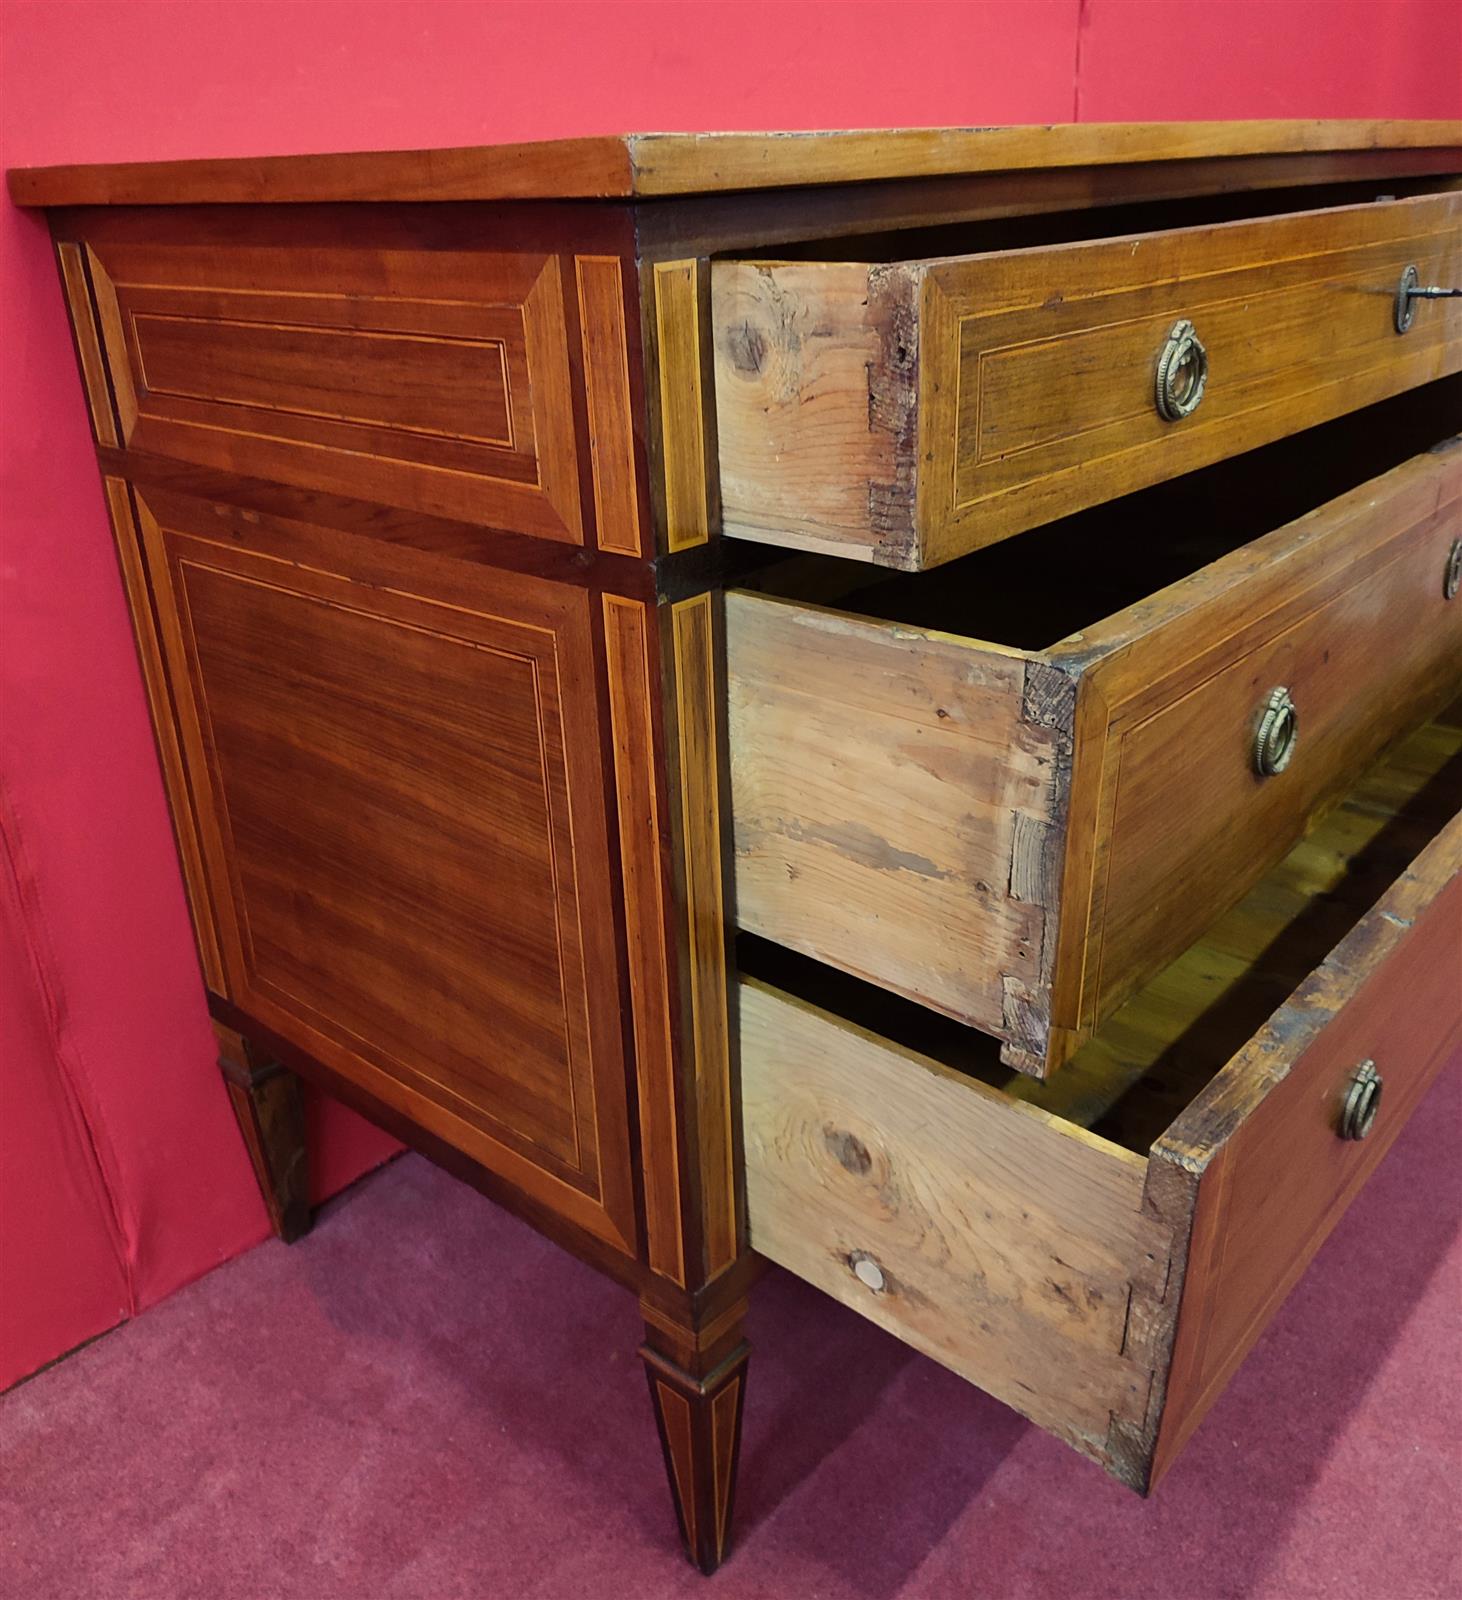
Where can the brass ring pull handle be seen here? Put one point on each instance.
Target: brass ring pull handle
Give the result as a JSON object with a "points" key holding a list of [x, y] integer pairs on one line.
{"points": [[1452, 572], [1277, 733], [1410, 290], [1362, 1102], [1182, 373]]}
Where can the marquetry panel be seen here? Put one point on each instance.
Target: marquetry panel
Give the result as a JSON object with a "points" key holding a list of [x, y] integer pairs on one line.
{"points": [[1318, 608], [437, 381], [403, 819]]}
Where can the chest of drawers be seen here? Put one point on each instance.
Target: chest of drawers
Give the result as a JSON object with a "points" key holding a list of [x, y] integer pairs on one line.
{"points": [[878, 701]]}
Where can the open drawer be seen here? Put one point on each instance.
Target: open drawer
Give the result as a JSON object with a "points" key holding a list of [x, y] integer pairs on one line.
{"points": [[986, 791], [909, 411], [1100, 1251]]}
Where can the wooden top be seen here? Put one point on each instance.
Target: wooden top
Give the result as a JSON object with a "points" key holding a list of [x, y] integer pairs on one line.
{"points": [[621, 166]]}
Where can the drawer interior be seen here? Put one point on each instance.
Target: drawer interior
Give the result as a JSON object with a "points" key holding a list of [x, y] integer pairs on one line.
{"points": [[1100, 1251], [1131, 1081], [1033, 230], [1054, 581]]}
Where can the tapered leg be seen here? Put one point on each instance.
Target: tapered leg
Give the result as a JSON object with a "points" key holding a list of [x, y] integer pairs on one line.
{"points": [[266, 1101], [698, 1385]]}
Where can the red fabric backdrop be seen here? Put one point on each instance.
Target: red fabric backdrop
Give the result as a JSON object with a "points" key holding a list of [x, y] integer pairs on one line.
{"points": [[121, 1176]]}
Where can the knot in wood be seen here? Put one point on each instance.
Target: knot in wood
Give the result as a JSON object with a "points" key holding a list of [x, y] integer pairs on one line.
{"points": [[848, 1150]]}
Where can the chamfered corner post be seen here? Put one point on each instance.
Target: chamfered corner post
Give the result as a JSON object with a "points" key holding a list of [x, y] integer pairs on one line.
{"points": [[266, 1101], [694, 1300], [667, 676]]}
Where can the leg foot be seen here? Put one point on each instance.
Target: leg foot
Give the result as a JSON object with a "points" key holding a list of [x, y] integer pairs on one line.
{"points": [[698, 1411], [266, 1101]]}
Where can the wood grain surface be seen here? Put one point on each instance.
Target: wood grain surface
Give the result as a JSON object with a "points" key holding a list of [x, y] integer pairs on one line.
{"points": [[701, 920], [1020, 838], [436, 381], [1100, 1250], [611, 410], [983, 1232], [908, 413], [145, 630], [882, 781], [1274, 1176], [1344, 608], [75, 280], [629, 636], [623, 165], [816, 366], [679, 290], [401, 812]]}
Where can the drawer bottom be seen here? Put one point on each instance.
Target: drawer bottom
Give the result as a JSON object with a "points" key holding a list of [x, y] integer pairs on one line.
{"points": [[1101, 1249]]}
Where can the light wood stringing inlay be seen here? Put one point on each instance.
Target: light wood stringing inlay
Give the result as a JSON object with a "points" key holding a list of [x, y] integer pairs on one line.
{"points": [[88, 346], [682, 402]]}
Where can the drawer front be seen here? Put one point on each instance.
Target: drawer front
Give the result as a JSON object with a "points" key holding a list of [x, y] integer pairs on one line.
{"points": [[913, 412], [1277, 1172], [1020, 840], [435, 380], [1356, 632], [1039, 380]]}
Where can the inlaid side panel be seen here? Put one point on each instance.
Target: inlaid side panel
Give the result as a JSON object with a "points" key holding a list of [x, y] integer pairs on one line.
{"points": [[403, 817], [437, 381]]}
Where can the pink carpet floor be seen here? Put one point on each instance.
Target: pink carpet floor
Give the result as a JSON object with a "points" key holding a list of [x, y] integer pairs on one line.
{"points": [[424, 1401]]}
